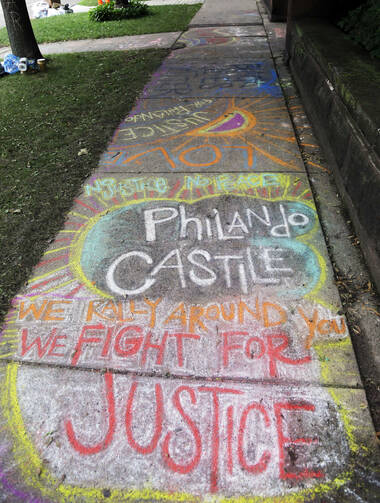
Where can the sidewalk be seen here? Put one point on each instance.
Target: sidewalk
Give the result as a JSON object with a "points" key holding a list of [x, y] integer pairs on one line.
{"points": [[125, 43], [183, 338]]}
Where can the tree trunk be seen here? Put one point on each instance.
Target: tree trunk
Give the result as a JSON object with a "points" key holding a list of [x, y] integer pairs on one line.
{"points": [[20, 32]]}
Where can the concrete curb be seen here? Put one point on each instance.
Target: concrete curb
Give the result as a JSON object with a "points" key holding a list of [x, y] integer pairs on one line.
{"points": [[337, 106]]}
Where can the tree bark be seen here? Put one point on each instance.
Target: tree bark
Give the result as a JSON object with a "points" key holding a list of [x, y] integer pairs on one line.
{"points": [[20, 32]]}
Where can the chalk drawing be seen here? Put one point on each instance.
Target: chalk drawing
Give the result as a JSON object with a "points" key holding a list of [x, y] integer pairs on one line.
{"points": [[176, 79], [214, 36], [234, 317], [205, 134], [233, 36]]}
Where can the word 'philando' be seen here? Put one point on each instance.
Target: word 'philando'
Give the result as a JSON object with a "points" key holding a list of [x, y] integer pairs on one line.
{"points": [[212, 227]]}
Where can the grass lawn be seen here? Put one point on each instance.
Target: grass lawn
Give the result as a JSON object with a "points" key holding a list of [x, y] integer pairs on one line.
{"points": [[89, 3], [94, 3], [78, 26], [45, 120]]}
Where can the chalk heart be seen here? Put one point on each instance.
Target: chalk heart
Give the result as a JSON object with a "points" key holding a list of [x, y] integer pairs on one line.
{"points": [[217, 246]]}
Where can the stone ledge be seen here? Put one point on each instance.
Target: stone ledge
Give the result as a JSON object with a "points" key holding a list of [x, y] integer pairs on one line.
{"points": [[277, 9], [339, 84]]}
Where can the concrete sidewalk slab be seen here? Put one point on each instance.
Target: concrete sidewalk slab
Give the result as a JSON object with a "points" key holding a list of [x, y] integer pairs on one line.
{"points": [[221, 12], [216, 32], [209, 134], [125, 43], [214, 79], [227, 38], [211, 42], [223, 49], [142, 420], [71, 404]]}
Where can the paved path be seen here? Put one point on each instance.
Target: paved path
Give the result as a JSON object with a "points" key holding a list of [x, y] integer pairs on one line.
{"points": [[225, 12], [125, 43], [183, 339]]}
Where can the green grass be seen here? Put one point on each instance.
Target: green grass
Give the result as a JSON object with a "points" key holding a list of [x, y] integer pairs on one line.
{"points": [[78, 26], [89, 3], [45, 120], [94, 3]]}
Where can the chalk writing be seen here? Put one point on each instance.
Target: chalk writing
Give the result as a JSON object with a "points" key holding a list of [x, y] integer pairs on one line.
{"points": [[215, 393], [240, 245], [210, 285], [198, 135], [186, 80], [251, 339], [203, 437]]}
